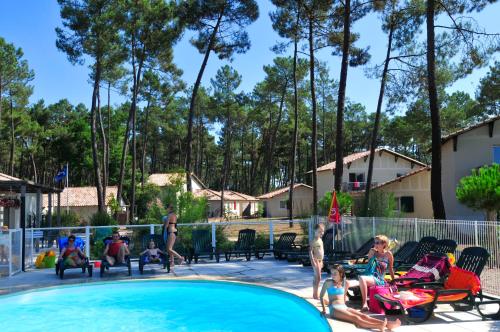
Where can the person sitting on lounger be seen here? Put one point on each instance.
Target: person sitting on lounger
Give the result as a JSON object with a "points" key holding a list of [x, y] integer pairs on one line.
{"points": [[71, 255], [116, 250], [336, 288], [152, 253]]}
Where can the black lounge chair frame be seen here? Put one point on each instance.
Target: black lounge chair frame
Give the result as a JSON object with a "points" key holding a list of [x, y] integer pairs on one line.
{"points": [[127, 262], [280, 249], [202, 246], [160, 244], [472, 259], [244, 245]]}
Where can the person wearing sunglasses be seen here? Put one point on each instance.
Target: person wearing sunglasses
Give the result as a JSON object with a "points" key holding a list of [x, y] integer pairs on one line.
{"points": [[380, 260], [71, 255]]}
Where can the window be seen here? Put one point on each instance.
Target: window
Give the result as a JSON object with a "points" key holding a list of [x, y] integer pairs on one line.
{"points": [[283, 204], [496, 154], [406, 204], [356, 177]]}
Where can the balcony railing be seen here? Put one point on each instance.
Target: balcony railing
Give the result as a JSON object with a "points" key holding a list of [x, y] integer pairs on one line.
{"points": [[355, 186]]}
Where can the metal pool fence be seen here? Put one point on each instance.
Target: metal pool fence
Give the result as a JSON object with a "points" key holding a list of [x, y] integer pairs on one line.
{"points": [[350, 235]]}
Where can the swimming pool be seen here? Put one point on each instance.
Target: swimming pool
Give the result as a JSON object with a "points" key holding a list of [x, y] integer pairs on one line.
{"points": [[159, 305]]}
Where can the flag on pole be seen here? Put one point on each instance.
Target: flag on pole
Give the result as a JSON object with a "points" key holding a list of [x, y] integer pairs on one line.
{"points": [[61, 175], [334, 214]]}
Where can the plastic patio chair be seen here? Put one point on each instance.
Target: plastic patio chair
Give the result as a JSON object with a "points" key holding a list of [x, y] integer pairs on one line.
{"points": [[244, 245], [127, 263], [61, 267], [202, 246], [160, 244]]}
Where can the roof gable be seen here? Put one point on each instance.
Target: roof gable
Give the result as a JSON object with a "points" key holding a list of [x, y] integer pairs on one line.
{"points": [[282, 191]]}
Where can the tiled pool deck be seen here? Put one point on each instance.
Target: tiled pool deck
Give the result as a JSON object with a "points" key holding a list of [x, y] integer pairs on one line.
{"points": [[268, 272]]}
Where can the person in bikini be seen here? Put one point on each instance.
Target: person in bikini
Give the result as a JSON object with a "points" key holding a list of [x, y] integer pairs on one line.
{"points": [[336, 289], [71, 255], [152, 253], [116, 250], [170, 235], [316, 254]]}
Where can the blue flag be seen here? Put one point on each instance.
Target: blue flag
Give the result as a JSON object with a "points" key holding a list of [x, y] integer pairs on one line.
{"points": [[61, 174]]}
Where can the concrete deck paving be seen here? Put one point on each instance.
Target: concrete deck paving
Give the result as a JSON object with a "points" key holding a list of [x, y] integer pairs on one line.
{"points": [[289, 277]]}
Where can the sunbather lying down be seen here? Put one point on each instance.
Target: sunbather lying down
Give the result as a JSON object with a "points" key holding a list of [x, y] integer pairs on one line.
{"points": [[336, 289], [116, 250]]}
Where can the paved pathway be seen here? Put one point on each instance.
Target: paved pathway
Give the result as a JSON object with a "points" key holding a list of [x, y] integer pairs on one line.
{"points": [[277, 274]]}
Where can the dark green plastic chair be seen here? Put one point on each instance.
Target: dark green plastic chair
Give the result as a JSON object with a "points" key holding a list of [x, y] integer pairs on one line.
{"points": [[202, 246], [245, 245], [160, 244]]}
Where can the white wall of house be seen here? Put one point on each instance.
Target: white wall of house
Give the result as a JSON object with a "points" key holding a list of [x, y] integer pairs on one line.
{"points": [[385, 168], [474, 149], [235, 208], [415, 188], [275, 207]]}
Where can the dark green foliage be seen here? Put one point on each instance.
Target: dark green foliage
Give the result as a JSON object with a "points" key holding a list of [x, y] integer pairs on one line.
{"points": [[102, 219], [344, 200], [481, 190]]}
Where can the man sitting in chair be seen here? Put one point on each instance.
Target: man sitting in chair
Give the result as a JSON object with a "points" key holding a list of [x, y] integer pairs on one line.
{"points": [[116, 250]]}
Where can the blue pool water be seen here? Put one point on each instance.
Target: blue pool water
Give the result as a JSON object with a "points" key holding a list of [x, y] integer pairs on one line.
{"points": [[159, 306]]}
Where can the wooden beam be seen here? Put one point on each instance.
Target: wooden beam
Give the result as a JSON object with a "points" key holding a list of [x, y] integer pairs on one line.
{"points": [[364, 158], [348, 165], [396, 157], [491, 125], [455, 143], [380, 153]]}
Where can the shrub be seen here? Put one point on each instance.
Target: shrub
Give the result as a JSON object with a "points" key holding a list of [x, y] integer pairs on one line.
{"points": [[68, 219], [102, 219], [262, 241], [382, 204], [344, 200], [481, 190]]}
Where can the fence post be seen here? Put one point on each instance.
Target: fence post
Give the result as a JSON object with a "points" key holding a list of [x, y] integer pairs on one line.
{"points": [[31, 249], [87, 241], [151, 229], [373, 226], [214, 241], [271, 234], [11, 234], [476, 235], [416, 229]]}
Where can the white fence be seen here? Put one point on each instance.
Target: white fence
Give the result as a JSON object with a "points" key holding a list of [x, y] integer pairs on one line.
{"points": [[350, 235], [10, 252]]}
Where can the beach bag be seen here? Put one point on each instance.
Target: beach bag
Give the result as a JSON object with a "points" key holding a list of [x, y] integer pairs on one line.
{"points": [[373, 305]]}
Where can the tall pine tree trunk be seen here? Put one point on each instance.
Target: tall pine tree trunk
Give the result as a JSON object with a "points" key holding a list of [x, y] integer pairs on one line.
{"points": [[144, 145], [12, 139], [104, 144], [436, 189], [314, 124], [376, 125], [339, 137], [192, 105], [295, 119], [225, 164], [93, 132]]}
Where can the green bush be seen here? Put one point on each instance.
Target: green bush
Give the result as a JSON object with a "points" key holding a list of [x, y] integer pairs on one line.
{"points": [[344, 200], [481, 190], [146, 198], [102, 219], [68, 219], [262, 241], [382, 204]]}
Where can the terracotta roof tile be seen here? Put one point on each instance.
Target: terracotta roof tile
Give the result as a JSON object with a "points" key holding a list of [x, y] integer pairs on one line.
{"points": [[229, 195], [282, 190], [358, 155], [5, 177], [165, 179], [80, 196]]}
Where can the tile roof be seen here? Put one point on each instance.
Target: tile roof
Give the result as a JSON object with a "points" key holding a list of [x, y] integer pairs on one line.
{"points": [[229, 195], [282, 190], [358, 155], [464, 130], [165, 179], [5, 177], [80, 196]]}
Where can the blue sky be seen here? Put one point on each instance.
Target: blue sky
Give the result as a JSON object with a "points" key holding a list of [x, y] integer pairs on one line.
{"points": [[30, 24]]}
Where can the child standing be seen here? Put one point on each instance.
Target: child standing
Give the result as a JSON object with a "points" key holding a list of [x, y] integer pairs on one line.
{"points": [[316, 254]]}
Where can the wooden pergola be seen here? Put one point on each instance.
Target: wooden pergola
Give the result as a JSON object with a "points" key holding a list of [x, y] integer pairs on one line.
{"points": [[11, 184]]}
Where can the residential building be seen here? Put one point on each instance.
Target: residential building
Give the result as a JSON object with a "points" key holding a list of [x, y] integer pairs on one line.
{"points": [[165, 179], [412, 192], [276, 202], [461, 152], [387, 165], [83, 201], [236, 204]]}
